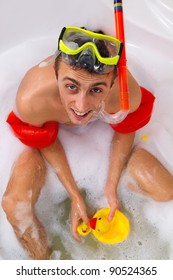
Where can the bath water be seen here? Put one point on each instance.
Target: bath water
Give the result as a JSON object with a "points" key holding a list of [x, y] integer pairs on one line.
{"points": [[87, 149]]}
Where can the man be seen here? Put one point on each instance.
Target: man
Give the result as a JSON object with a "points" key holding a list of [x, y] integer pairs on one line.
{"points": [[71, 91]]}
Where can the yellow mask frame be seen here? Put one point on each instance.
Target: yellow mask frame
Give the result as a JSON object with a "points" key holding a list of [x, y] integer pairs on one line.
{"points": [[66, 44]]}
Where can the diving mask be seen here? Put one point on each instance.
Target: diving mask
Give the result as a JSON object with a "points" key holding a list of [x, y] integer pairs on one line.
{"points": [[75, 41], [93, 51]]}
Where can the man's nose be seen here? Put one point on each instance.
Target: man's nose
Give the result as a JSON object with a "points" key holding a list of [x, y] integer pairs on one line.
{"points": [[82, 103]]}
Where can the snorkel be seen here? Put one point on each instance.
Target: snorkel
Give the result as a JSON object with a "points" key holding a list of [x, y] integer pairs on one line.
{"points": [[122, 70]]}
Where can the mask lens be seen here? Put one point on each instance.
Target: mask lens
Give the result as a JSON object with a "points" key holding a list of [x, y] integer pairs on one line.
{"points": [[75, 37], [113, 49], [105, 47]]}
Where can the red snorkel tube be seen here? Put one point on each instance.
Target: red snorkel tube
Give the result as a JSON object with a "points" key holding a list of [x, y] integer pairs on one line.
{"points": [[122, 71]]}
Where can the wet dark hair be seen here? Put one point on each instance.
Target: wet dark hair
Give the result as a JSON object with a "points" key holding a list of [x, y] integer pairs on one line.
{"points": [[85, 64]]}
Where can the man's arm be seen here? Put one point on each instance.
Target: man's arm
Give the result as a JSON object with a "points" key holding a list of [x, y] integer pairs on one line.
{"points": [[56, 157], [121, 145], [120, 149]]}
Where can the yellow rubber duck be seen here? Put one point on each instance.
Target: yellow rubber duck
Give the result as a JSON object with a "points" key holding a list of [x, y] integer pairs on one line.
{"points": [[84, 229], [105, 231]]}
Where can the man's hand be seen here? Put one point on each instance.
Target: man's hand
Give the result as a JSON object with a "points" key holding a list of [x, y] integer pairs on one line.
{"points": [[112, 199], [78, 213]]}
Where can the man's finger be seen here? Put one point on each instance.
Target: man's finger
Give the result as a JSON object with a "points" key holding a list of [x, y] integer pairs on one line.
{"points": [[74, 224], [85, 219], [112, 213]]}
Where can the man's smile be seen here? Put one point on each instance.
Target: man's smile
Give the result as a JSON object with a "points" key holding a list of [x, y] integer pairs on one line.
{"points": [[80, 115]]}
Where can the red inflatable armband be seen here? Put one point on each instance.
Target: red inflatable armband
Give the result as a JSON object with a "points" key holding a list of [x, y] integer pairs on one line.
{"points": [[140, 117], [36, 137]]}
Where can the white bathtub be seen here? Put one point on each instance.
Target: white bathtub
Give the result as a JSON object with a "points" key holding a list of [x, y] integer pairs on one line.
{"points": [[29, 31]]}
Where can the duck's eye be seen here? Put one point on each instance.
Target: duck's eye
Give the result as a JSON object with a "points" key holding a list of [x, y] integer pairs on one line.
{"points": [[100, 218]]}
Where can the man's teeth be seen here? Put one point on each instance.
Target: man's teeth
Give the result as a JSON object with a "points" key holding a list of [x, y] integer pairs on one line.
{"points": [[80, 114]]}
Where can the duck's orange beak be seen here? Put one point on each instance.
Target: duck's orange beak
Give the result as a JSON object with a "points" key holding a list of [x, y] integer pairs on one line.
{"points": [[93, 223]]}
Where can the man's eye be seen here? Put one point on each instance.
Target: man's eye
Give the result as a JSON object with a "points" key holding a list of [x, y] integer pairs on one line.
{"points": [[71, 87], [96, 90]]}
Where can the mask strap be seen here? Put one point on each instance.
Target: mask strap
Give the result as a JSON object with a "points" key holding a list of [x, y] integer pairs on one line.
{"points": [[52, 59]]}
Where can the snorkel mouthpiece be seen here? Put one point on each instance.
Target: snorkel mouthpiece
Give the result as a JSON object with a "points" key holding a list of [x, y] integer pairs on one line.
{"points": [[111, 118]]}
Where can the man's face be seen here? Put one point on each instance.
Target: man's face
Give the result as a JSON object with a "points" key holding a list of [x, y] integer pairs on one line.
{"points": [[81, 93]]}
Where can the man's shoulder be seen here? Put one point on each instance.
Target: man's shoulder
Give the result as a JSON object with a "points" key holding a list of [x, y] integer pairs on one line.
{"points": [[113, 100], [37, 77], [36, 96]]}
